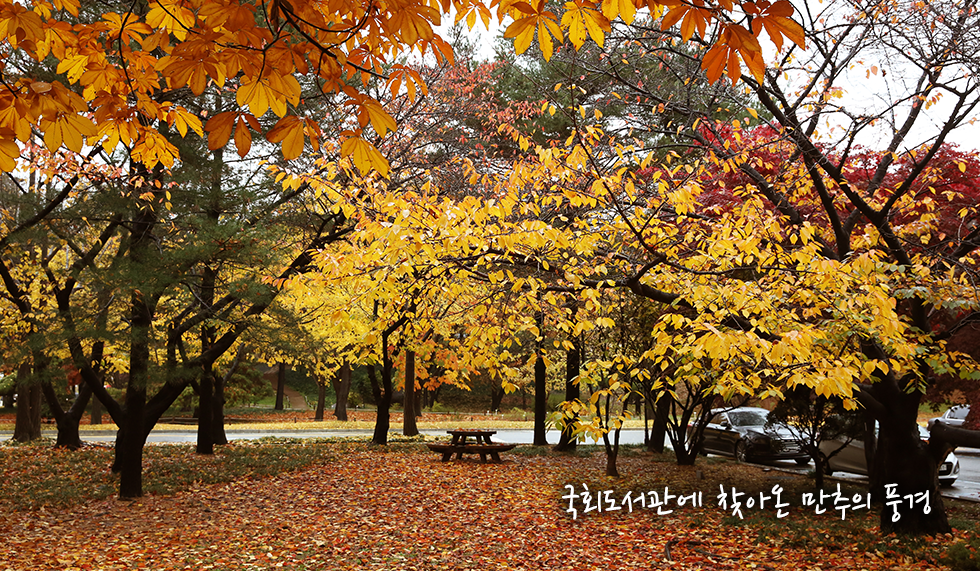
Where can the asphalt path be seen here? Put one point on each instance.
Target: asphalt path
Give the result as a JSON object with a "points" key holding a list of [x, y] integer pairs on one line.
{"points": [[967, 486]]}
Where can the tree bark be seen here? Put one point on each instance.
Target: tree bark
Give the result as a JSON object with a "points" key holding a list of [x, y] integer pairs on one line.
{"points": [[909, 466], [496, 396], [384, 392], [409, 426], [342, 388], [321, 401], [96, 415], [280, 386], [27, 426], [572, 392], [68, 421], [540, 387], [382, 396], [612, 454], [218, 435], [205, 418], [658, 434], [915, 472], [142, 307]]}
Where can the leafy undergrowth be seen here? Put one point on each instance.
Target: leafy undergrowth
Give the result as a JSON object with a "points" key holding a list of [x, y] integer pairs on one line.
{"points": [[399, 508], [38, 476]]}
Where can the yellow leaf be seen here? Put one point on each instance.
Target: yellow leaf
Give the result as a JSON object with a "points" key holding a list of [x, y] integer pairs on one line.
{"points": [[365, 157], [714, 62], [68, 129], [625, 9], [253, 94], [183, 119], [380, 119], [547, 27], [171, 16], [9, 151], [580, 19], [522, 31], [778, 26]]}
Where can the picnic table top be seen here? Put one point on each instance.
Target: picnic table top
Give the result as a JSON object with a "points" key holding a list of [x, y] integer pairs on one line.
{"points": [[471, 431]]}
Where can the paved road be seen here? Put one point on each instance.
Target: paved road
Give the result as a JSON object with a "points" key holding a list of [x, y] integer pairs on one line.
{"points": [[513, 436]]}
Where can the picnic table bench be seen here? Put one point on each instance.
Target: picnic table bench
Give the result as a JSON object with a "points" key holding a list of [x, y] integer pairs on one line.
{"points": [[481, 445]]}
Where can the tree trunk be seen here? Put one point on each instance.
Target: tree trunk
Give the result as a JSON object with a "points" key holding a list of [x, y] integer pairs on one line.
{"points": [[658, 434], [819, 469], [67, 421], [572, 392], [321, 400], [383, 393], [219, 437], [205, 428], [342, 388], [612, 454], [908, 466], [280, 386], [540, 387], [409, 427], [96, 417], [129, 444], [27, 426], [496, 397], [382, 396], [876, 483]]}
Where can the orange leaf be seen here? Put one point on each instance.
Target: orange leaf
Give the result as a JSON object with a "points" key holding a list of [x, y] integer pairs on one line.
{"points": [[714, 62], [289, 132], [219, 129], [243, 138]]}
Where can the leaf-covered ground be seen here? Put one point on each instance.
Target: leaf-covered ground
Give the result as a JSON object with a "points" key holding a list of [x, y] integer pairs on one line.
{"points": [[402, 509]]}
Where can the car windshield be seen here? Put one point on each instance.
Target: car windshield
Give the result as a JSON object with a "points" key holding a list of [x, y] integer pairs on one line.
{"points": [[747, 418]]}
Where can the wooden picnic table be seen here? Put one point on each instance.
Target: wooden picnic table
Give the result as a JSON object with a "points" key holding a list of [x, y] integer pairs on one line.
{"points": [[481, 444]]}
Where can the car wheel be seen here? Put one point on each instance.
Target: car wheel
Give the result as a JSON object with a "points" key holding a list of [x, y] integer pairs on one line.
{"points": [[802, 461], [741, 451]]}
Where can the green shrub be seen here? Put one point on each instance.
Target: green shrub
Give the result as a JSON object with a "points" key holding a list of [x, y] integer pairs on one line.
{"points": [[439, 407]]}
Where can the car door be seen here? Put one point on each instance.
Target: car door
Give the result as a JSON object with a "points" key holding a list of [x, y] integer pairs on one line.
{"points": [[713, 434], [721, 437]]}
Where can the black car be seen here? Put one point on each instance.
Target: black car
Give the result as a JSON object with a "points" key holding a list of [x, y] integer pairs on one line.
{"points": [[742, 433]]}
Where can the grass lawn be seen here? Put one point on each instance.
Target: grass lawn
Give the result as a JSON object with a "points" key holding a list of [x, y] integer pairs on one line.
{"points": [[341, 505]]}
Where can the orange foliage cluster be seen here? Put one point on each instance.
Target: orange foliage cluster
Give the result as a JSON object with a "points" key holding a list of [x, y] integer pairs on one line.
{"points": [[126, 78]]}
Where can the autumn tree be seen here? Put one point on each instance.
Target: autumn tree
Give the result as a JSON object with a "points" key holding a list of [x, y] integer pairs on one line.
{"points": [[823, 271]]}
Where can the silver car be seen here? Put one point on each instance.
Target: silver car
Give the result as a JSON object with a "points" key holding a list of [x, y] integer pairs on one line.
{"points": [[955, 416], [851, 459]]}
